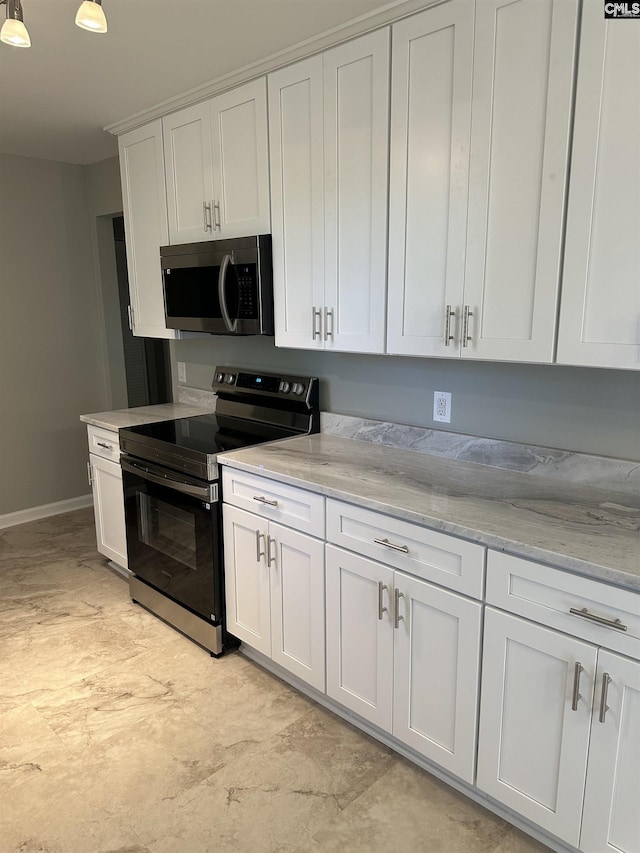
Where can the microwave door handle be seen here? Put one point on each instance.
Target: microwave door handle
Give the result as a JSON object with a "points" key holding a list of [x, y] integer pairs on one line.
{"points": [[231, 325]]}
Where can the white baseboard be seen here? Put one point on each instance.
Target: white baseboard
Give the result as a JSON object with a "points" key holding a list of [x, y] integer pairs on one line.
{"points": [[10, 519]]}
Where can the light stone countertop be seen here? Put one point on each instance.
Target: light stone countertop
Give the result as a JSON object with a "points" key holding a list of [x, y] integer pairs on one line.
{"points": [[121, 418], [579, 528]]}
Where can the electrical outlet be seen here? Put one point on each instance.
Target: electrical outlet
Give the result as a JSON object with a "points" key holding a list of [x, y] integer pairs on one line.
{"points": [[442, 406], [182, 371]]}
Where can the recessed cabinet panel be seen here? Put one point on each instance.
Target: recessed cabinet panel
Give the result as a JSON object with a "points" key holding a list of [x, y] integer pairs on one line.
{"points": [[537, 690], [359, 635], [356, 131], [430, 127], [600, 309], [297, 200], [108, 506], [241, 161], [189, 171], [522, 88], [611, 817], [146, 229]]}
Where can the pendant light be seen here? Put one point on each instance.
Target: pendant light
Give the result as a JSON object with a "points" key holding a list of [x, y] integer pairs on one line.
{"points": [[13, 30], [91, 17]]}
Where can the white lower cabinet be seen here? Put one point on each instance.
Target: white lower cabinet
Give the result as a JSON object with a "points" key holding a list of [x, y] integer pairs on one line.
{"points": [[105, 478], [274, 580], [559, 736], [404, 655]]}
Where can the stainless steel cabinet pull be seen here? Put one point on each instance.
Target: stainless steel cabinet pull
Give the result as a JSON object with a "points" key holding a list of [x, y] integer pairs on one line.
{"points": [[606, 680], [576, 695], [216, 216], [259, 553], [402, 548], [271, 558], [328, 332], [448, 314], [89, 477], [316, 322], [466, 337], [206, 216], [106, 446], [261, 499], [381, 589], [600, 620], [396, 610], [130, 316]]}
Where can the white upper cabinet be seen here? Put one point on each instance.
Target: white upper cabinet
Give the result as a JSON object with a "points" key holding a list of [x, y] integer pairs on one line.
{"points": [[430, 127], [328, 125], [600, 305], [216, 161], [145, 221], [521, 114], [481, 113]]}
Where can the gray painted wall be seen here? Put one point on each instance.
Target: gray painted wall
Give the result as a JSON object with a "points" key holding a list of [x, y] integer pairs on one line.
{"points": [[51, 360], [594, 411]]}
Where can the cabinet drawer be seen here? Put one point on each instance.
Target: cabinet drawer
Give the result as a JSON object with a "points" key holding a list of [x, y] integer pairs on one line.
{"points": [[569, 602], [104, 442], [436, 557], [288, 505]]}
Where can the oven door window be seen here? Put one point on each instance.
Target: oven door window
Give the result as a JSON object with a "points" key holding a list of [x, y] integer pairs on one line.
{"points": [[173, 544]]}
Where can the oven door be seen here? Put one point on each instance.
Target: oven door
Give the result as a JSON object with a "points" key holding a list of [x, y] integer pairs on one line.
{"points": [[173, 535]]}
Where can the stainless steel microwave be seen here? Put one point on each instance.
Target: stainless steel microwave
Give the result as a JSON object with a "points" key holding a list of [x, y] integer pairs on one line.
{"points": [[224, 287]]}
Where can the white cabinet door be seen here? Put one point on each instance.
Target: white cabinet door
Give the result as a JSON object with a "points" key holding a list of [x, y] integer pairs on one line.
{"points": [[145, 222], [430, 127], [356, 133], [360, 635], [189, 172], [297, 603], [436, 673], [600, 304], [611, 817], [241, 161], [108, 507], [521, 113], [297, 202], [533, 745], [247, 578]]}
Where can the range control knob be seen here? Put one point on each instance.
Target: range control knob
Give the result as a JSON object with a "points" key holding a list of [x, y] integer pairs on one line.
{"points": [[219, 377], [285, 387], [298, 388], [229, 378]]}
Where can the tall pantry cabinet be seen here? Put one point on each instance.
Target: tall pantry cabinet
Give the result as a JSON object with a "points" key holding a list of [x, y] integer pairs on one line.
{"points": [[482, 104], [328, 127]]}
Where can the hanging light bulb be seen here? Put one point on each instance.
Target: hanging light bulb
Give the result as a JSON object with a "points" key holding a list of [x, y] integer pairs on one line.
{"points": [[13, 30], [91, 17]]}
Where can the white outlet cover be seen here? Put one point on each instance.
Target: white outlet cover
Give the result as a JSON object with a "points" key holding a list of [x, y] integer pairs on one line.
{"points": [[182, 371], [442, 406]]}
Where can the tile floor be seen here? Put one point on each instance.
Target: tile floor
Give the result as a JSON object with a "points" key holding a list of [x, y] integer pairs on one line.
{"points": [[118, 734]]}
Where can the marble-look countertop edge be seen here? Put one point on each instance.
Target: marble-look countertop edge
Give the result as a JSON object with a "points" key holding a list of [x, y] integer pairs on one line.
{"points": [[123, 418], [603, 573]]}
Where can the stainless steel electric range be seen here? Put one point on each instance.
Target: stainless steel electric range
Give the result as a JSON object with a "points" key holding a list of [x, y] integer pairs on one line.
{"points": [[172, 492]]}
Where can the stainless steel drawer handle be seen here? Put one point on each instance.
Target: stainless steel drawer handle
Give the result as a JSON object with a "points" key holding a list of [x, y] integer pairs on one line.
{"points": [[261, 499], [583, 613], [316, 322], [259, 552], [271, 557], [206, 216], [402, 548], [106, 446], [448, 314], [396, 610], [576, 695], [466, 337], [328, 331], [381, 589], [606, 680], [216, 215]]}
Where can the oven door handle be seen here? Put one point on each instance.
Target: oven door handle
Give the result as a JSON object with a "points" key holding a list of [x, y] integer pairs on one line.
{"points": [[222, 296], [207, 492]]}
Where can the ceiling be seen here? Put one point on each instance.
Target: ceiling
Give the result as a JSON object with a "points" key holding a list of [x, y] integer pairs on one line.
{"points": [[57, 96]]}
